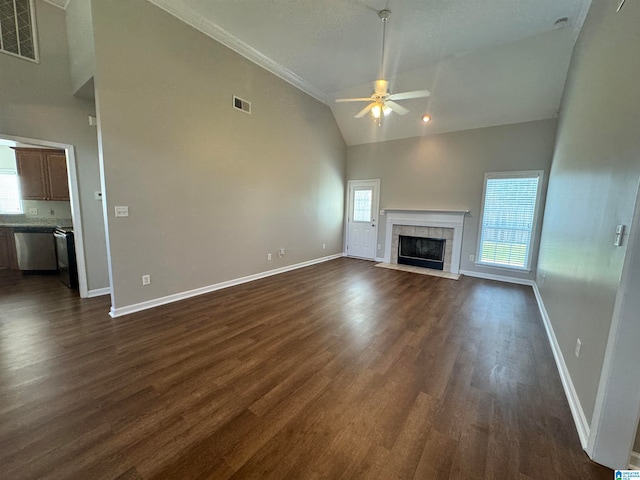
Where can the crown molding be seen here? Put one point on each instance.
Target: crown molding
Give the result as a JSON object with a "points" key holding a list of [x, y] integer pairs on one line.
{"points": [[206, 26]]}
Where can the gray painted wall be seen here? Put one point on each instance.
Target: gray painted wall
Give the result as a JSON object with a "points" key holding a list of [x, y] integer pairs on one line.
{"points": [[80, 40], [446, 172], [36, 102], [592, 188], [210, 190]]}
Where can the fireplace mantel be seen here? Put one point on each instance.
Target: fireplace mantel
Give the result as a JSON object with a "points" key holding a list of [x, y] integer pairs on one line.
{"points": [[428, 218], [395, 211]]}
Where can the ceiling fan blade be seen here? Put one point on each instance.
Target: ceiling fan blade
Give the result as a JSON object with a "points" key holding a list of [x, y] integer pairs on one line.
{"points": [[363, 99], [381, 87], [408, 95], [399, 109], [369, 7], [364, 111]]}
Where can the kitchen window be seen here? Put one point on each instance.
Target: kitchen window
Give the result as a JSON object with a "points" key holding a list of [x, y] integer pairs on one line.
{"points": [[17, 29], [9, 192], [507, 224]]}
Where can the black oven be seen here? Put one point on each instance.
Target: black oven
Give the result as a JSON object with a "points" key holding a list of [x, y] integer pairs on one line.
{"points": [[66, 250]]}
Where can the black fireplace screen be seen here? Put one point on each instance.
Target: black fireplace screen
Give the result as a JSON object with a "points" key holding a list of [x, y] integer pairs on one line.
{"points": [[421, 252]]}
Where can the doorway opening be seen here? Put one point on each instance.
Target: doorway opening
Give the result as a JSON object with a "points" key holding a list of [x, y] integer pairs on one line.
{"points": [[74, 198]]}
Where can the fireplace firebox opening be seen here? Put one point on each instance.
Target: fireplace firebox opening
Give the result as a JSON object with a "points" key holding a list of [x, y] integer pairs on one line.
{"points": [[421, 252]]}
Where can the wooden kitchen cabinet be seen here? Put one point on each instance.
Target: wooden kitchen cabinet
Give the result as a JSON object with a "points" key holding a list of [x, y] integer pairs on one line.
{"points": [[7, 249], [43, 174], [31, 170], [56, 164]]}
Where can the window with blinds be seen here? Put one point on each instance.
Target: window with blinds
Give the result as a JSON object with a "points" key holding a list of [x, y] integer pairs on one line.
{"points": [[9, 192], [17, 28], [509, 212]]}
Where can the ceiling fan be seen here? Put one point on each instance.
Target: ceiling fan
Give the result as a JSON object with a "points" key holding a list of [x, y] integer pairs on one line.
{"points": [[382, 102]]}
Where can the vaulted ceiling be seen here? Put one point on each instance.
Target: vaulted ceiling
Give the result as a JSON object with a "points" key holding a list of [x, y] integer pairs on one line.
{"points": [[486, 62]]}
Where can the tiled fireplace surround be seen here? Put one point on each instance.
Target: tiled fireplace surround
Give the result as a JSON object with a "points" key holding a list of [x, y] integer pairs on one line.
{"points": [[428, 224]]}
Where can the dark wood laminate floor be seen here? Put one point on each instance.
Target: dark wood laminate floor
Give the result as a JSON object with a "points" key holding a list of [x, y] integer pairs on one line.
{"points": [[336, 371]]}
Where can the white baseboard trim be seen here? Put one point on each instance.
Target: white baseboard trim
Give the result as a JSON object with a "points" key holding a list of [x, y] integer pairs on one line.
{"points": [[499, 278], [379, 259], [156, 302], [579, 418], [98, 292], [634, 461]]}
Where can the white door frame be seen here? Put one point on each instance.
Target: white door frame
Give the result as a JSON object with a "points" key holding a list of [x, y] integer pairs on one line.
{"points": [[375, 211], [617, 408], [74, 196]]}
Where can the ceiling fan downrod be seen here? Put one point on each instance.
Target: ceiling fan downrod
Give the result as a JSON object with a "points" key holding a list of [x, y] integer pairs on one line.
{"points": [[382, 101], [384, 16]]}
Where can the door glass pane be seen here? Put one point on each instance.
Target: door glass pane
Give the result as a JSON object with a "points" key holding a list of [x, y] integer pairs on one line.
{"points": [[362, 203]]}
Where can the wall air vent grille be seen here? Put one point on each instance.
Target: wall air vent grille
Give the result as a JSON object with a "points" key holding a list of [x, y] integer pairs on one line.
{"points": [[240, 104]]}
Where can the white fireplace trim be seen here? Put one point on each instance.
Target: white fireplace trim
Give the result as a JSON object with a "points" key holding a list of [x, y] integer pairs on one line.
{"points": [[428, 218]]}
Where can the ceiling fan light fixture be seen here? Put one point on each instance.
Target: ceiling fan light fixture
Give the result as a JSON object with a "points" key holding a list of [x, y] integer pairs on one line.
{"points": [[426, 118], [382, 102]]}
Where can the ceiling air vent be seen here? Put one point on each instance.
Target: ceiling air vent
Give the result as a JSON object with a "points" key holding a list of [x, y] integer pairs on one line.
{"points": [[241, 104]]}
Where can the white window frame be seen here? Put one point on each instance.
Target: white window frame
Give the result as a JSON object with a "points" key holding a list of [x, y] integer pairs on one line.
{"points": [[534, 226], [34, 35]]}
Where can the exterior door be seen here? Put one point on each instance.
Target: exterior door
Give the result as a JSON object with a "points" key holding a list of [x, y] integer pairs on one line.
{"points": [[362, 227]]}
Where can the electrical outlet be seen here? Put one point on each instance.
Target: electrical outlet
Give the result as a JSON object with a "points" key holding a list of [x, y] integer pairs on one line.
{"points": [[578, 345], [146, 279], [379, 247], [33, 211], [324, 246], [472, 258], [268, 257], [281, 252]]}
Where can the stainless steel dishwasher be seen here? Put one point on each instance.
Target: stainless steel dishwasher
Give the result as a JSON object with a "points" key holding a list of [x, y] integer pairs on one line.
{"points": [[35, 249]]}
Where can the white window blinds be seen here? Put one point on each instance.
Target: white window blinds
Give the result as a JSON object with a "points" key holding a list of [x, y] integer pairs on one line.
{"points": [[362, 205], [508, 216], [9, 192]]}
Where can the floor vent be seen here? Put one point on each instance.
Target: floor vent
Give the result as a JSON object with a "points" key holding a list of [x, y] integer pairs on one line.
{"points": [[240, 104]]}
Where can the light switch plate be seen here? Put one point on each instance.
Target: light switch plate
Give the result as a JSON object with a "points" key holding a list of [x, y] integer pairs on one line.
{"points": [[122, 211], [619, 234]]}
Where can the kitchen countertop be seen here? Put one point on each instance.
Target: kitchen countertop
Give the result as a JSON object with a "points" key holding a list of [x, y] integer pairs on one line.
{"points": [[22, 221]]}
